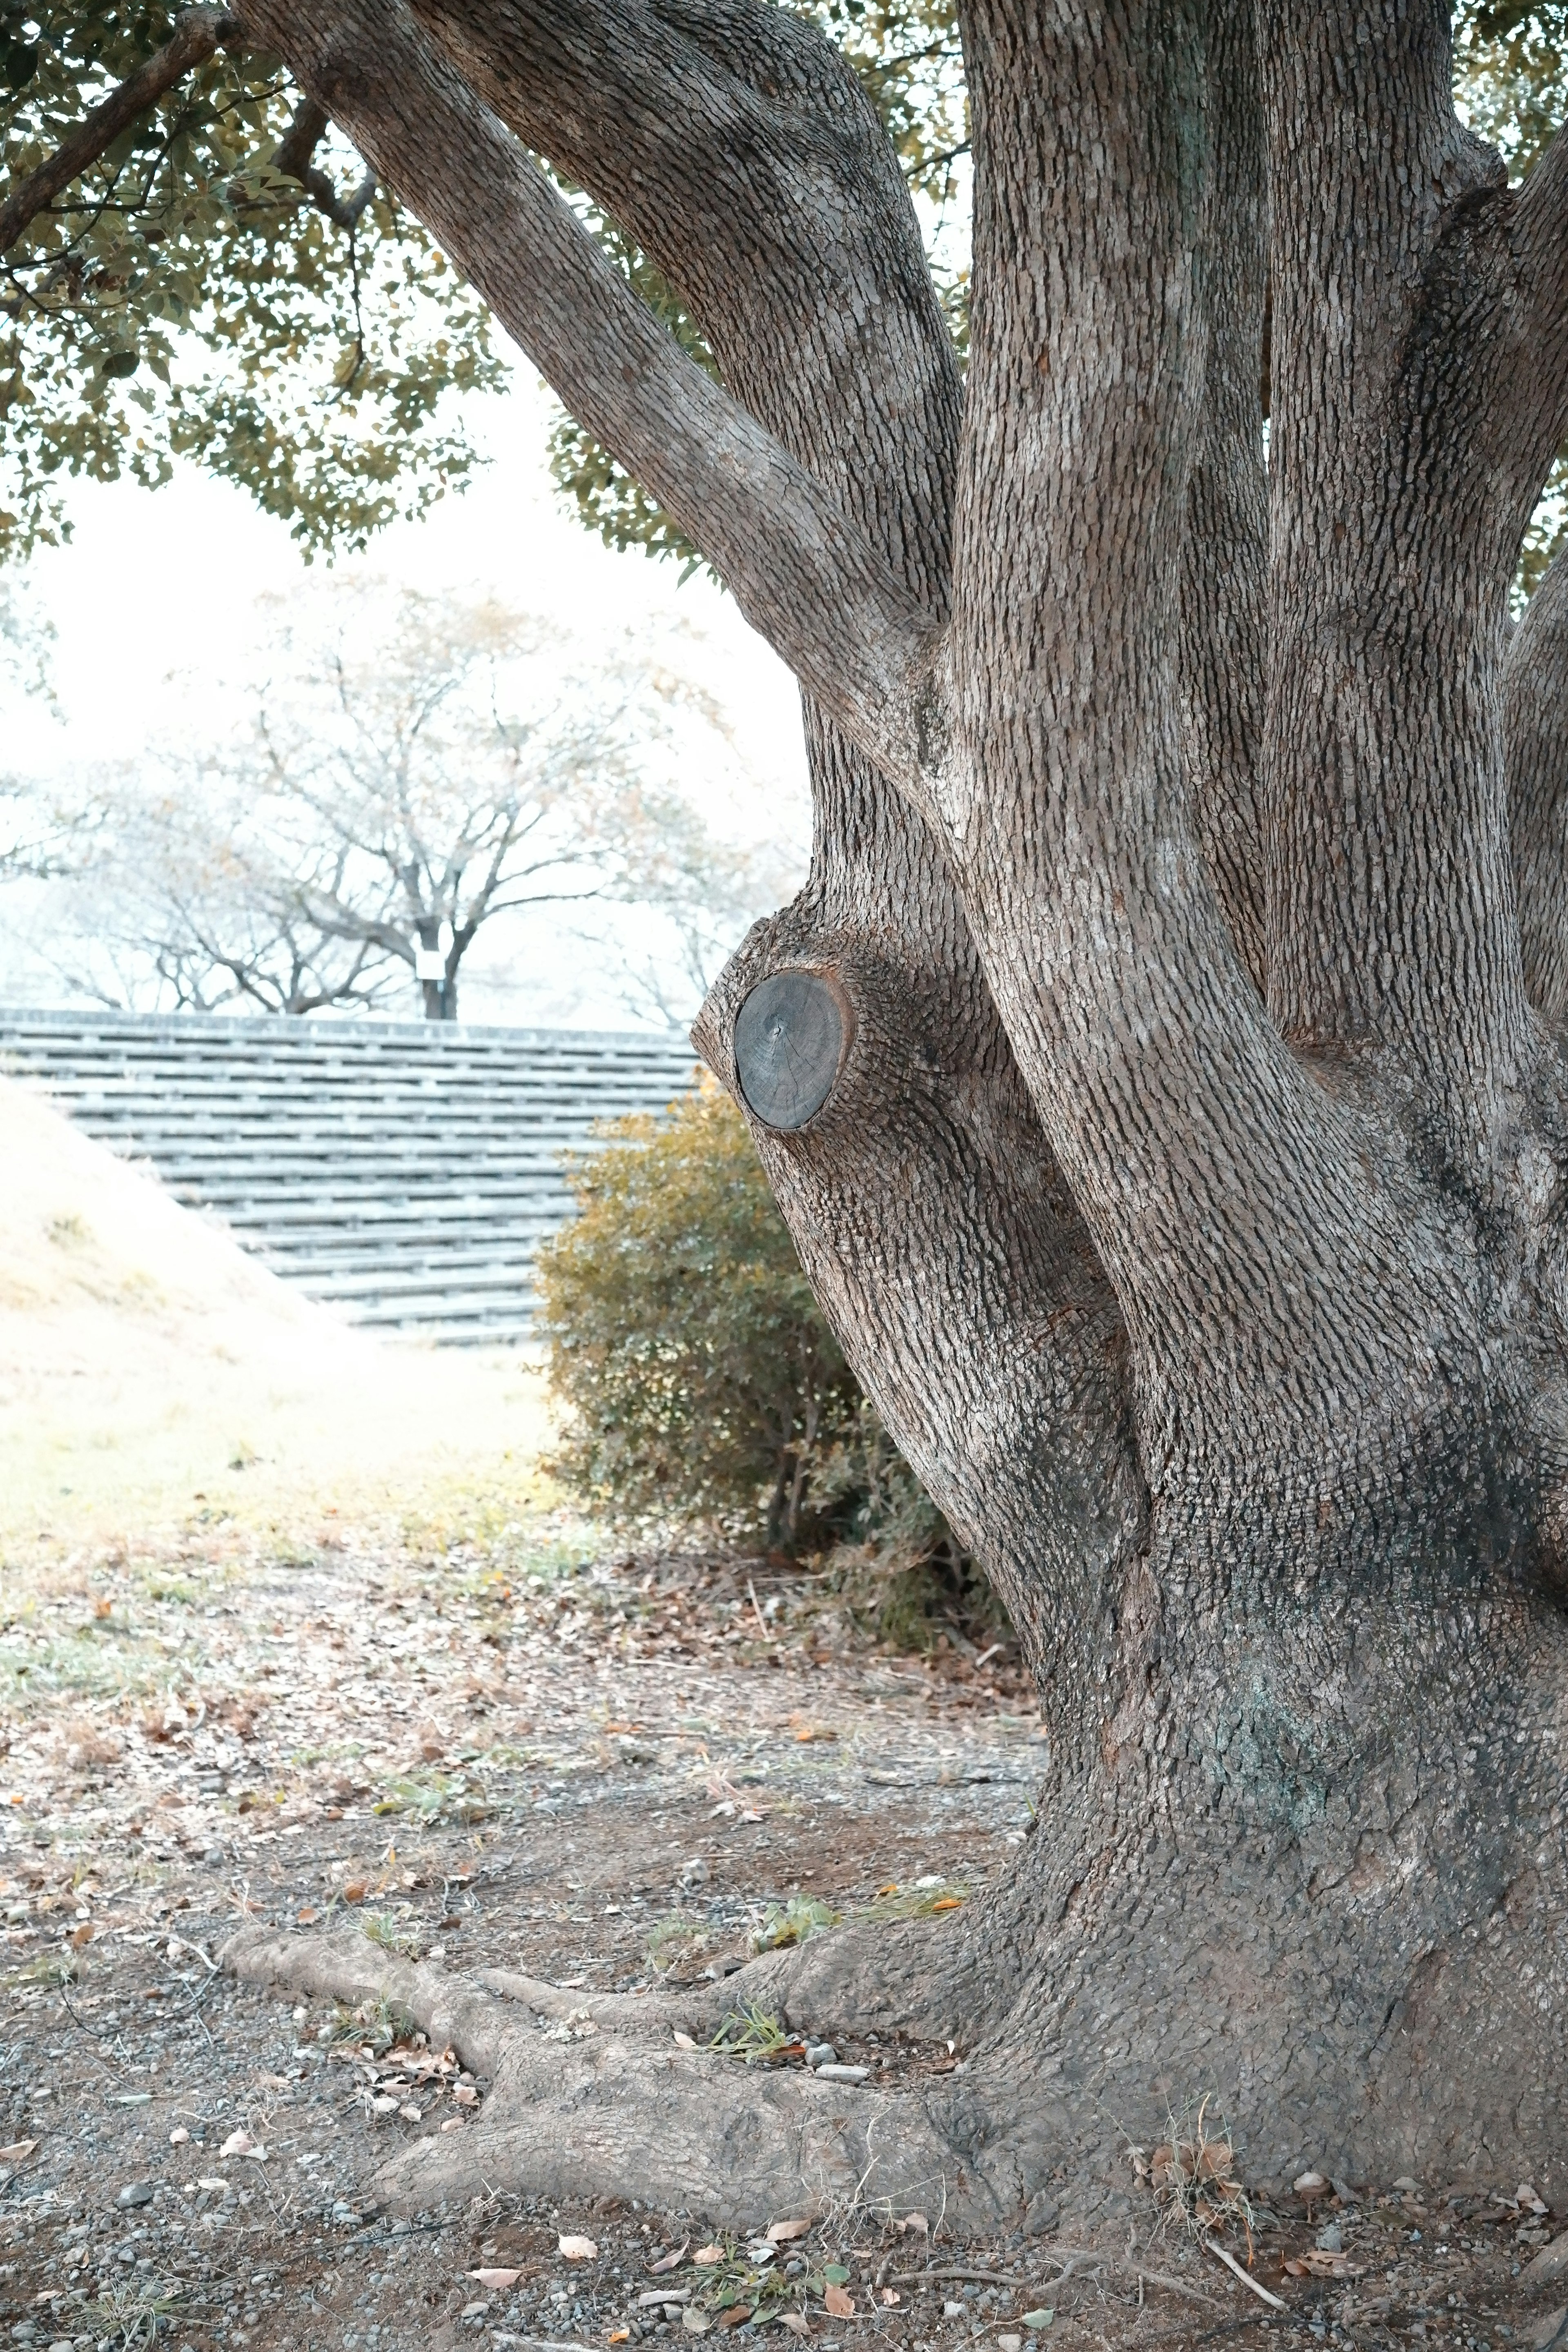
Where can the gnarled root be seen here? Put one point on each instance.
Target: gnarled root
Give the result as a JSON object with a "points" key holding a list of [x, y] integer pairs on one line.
{"points": [[593, 2097]]}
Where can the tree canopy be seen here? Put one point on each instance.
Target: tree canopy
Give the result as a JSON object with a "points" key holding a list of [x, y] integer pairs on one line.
{"points": [[224, 283], [227, 283]]}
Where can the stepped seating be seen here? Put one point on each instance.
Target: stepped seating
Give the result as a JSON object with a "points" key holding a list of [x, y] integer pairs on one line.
{"points": [[406, 1171]]}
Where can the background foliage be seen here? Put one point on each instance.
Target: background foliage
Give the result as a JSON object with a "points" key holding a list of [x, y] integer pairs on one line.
{"points": [[185, 298]]}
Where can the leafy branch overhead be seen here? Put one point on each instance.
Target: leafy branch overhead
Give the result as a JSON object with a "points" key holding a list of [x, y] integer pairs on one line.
{"points": [[222, 282]]}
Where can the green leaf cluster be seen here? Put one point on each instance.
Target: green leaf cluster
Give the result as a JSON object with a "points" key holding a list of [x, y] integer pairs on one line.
{"points": [[699, 1377], [186, 298]]}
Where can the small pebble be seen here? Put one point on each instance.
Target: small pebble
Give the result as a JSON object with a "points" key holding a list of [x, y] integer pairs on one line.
{"points": [[842, 2074], [821, 2054], [135, 2192]]}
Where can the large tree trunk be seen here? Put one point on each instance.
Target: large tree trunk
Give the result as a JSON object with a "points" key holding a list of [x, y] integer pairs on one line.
{"points": [[1155, 1071]]}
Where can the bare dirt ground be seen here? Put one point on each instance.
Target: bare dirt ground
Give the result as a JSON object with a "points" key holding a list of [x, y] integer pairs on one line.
{"points": [[489, 1752]]}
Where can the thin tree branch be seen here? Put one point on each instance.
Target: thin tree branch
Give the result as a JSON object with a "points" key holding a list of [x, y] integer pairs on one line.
{"points": [[294, 156], [197, 33], [805, 576]]}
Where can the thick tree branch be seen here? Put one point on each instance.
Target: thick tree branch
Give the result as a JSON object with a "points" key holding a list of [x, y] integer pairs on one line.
{"points": [[731, 141], [1397, 473], [1225, 555], [1541, 243], [197, 33], [1535, 750], [805, 577]]}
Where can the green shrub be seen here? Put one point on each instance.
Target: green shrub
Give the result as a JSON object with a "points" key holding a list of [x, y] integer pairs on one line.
{"points": [[700, 1380]]}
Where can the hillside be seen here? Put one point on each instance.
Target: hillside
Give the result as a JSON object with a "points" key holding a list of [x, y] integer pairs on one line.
{"points": [[152, 1373]]}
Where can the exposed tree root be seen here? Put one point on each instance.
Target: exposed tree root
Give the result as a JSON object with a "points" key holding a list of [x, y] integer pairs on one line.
{"points": [[593, 2097], [1347, 1926]]}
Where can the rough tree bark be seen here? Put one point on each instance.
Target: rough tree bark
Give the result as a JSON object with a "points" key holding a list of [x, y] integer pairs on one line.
{"points": [[1158, 1070]]}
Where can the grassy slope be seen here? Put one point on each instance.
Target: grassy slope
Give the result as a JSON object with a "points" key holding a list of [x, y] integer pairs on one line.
{"points": [[151, 1374]]}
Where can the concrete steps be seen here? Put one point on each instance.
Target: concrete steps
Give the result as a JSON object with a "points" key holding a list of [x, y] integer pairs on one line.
{"points": [[406, 1171]]}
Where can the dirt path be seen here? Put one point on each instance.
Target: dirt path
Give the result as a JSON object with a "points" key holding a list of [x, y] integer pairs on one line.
{"points": [[497, 1756]]}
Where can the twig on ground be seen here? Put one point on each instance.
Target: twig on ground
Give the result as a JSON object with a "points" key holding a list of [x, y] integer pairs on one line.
{"points": [[1173, 2287], [1261, 2292], [979, 2278]]}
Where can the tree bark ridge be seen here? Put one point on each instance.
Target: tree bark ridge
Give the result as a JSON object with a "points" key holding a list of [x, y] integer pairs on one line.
{"points": [[1535, 753]]}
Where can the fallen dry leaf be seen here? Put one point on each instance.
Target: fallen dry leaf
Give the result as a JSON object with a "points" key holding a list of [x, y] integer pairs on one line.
{"points": [[465, 2095], [889, 2297], [706, 2255], [620, 2336], [356, 1891], [495, 2278], [666, 2263], [178, 2137], [684, 2041], [576, 2249], [16, 2150], [695, 2322], [735, 2315], [840, 2303], [240, 2143], [83, 1934], [916, 2222], [779, 2233], [1318, 2263], [795, 2321]]}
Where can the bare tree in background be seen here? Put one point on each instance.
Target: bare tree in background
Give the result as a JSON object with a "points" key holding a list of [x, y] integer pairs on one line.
{"points": [[437, 768], [28, 831]]}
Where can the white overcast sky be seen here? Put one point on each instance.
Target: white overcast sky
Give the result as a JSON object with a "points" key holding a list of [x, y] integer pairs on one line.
{"points": [[157, 599]]}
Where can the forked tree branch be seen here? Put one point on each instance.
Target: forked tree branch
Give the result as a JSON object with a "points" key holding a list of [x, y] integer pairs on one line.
{"points": [[197, 33], [805, 576], [731, 141]]}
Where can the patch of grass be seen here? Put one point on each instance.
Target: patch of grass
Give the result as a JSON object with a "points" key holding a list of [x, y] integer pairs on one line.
{"points": [[675, 1942], [389, 1933], [377, 2024], [1194, 2174], [794, 1922], [753, 2034], [917, 1902], [133, 2312], [431, 1796], [46, 1971]]}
